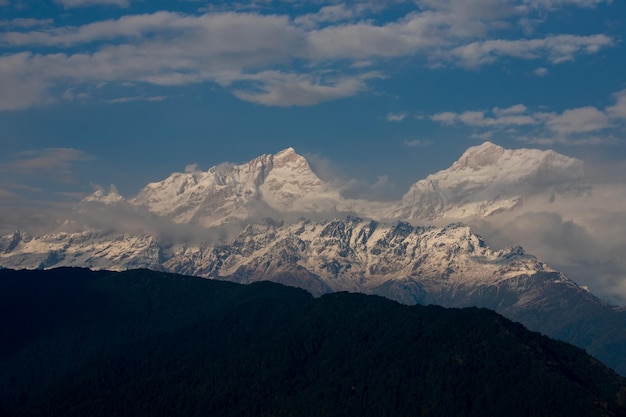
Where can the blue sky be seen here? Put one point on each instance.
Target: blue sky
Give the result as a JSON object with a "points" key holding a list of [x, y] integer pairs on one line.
{"points": [[124, 92]]}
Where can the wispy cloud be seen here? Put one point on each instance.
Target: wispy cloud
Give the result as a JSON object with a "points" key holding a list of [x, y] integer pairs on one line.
{"points": [[618, 111], [553, 49], [415, 143], [51, 163], [516, 115], [137, 98], [395, 117], [579, 120], [327, 14], [553, 4], [283, 89], [86, 3], [578, 126], [26, 23]]}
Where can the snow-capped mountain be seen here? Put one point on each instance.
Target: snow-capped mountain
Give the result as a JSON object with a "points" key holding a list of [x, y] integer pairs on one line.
{"points": [[283, 182], [489, 179]]}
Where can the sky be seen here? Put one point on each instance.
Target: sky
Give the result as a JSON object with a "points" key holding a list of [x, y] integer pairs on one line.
{"points": [[379, 94]]}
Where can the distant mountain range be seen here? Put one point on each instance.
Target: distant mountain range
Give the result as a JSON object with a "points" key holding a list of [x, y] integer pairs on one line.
{"points": [[218, 224], [83, 343]]}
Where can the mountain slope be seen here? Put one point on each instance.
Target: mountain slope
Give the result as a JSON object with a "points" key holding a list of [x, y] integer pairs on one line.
{"points": [[146, 343]]}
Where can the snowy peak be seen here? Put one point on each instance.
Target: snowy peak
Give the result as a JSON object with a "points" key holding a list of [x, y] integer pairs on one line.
{"points": [[477, 157], [291, 185], [225, 193], [100, 196], [489, 179], [490, 161], [289, 156]]}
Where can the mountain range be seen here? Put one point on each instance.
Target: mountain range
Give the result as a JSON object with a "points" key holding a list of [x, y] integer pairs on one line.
{"points": [[274, 219]]}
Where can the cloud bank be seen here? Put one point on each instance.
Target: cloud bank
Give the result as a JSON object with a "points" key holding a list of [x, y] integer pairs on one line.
{"points": [[290, 59]]}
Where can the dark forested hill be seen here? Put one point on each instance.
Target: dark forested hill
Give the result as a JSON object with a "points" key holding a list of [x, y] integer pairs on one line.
{"points": [[83, 343]]}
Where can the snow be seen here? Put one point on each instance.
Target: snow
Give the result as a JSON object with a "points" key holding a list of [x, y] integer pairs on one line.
{"points": [[99, 196], [486, 180]]}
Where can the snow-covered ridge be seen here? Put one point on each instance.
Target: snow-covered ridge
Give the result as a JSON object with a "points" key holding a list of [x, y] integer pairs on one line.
{"points": [[333, 255], [100, 196]]}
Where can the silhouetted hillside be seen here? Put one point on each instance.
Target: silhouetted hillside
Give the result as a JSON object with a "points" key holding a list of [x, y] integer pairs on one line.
{"points": [[83, 343]]}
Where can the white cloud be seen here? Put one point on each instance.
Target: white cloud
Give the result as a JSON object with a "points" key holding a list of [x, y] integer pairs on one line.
{"points": [[580, 120], [551, 140], [618, 110], [555, 49], [364, 40], [541, 72], [327, 14], [136, 98], [516, 109], [554, 4], [21, 85], [209, 34], [482, 136], [395, 117], [512, 116], [86, 3], [472, 18], [284, 89], [51, 163], [445, 118], [191, 168], [578, 126], [416, 143], [26, 23]]}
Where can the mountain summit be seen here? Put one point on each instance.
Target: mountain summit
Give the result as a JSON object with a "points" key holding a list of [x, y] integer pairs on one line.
{"points": [[227, 192], [488, 179]]}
